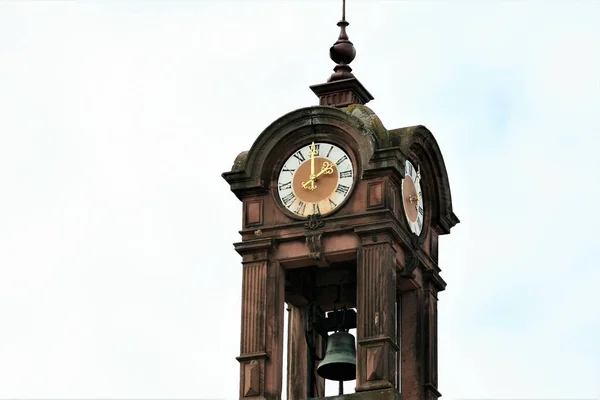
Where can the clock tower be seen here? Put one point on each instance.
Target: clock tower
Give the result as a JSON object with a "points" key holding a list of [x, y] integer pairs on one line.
{"points": [[341, 223]]}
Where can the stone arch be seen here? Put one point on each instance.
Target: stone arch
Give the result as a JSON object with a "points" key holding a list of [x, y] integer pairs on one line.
{"points": [[419, 141], [252, 170]]}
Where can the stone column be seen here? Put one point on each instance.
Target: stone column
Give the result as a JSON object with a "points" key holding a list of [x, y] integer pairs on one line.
{"points": [[297, 354], [419, 341], [301, 369], [432, 284], [376, 307], [411, 344], [261, 349]]}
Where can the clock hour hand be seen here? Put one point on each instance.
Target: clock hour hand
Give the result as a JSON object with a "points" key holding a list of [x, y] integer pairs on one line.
{"points": [[415, 197], [327, 168]]}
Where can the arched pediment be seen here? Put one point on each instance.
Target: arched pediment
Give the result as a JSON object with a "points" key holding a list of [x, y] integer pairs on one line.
{"points": [[418, 142], [252, 169]]}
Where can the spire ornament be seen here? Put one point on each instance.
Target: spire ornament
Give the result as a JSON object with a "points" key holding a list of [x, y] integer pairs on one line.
{"points": [[342, 52], [342, 88]]}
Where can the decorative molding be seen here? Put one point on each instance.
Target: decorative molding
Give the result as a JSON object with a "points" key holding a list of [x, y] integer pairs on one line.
{"points": [[375, 363], [433, 277], [411, 262], [254, 293], [314, 222], [252, 379], [253, 212], [375, 194], [372, 341], [341, 93], [314, 243], [261, 355]]}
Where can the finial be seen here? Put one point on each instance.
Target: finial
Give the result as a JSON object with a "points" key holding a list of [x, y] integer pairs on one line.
{"points": [[342, 88], [342, 52]]}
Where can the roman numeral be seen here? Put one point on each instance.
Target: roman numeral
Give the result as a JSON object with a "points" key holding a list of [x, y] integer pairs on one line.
{"points": [[419, 224], [317, 149], [410, 170], [329, 152], [299, 156], [332, 204], [420, 210], [291, 171], [301, 207], [341, 160], [316, 209], [346, 174], [289, 199], [342, 189], [285, 186]]}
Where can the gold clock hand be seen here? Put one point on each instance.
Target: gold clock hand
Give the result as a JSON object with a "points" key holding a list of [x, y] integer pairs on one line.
{"points": [[313, 153], [415, 198], [312, 186], [327, 168]]}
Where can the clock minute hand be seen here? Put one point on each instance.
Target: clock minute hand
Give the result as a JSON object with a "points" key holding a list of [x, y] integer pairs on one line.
{"points": [[312, 153]]}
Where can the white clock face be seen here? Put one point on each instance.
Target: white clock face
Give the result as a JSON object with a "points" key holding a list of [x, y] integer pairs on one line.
{"points": [[412, 198], [315, 179]]}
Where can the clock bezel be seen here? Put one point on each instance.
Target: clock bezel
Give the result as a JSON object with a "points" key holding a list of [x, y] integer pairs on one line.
{"points": [[295, 146]]}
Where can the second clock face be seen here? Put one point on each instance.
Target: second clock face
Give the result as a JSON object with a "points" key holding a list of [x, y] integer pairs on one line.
{"points": [[413, 198], [315, 179]]}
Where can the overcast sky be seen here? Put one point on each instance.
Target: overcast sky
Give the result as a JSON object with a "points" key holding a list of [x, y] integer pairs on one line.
{"points": [[118, 277]]}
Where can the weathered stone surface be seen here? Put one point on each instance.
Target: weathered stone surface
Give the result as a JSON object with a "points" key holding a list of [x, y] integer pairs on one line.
{"points": [[390, 275], [369, 118]]}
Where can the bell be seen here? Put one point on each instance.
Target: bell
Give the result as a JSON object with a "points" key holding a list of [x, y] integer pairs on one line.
{"points": [[339, 363]]}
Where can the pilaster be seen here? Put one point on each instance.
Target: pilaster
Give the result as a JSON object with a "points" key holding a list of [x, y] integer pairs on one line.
{"points": [[261, 342], [419, 340], [376, 303]]}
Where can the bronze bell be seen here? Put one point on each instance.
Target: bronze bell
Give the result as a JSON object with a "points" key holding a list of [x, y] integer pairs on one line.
{"points": [[339, 363]]}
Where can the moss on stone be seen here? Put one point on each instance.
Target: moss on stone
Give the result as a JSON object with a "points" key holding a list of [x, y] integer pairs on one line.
{"points": [[240, 161], [368, 118]]}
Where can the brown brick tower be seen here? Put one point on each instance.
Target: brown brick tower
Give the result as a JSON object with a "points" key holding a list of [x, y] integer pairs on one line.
{"points": [[340, 213]]}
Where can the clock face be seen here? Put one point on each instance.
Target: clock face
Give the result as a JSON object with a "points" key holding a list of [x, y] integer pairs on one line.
{"points": [[412, 198], [315, 179]]}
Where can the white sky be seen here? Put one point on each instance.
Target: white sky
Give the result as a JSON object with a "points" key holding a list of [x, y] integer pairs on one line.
{"points": [[117, 119]]}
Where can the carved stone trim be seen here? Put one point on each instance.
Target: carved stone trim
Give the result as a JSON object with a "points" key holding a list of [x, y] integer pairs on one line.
{"points": [[314, 222], [254, 293], [433, 277], [375, 363], [379, 340], [251, 379], [314, 243], [375, 195], [252, 356], [411, 262], [253, 212]]}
